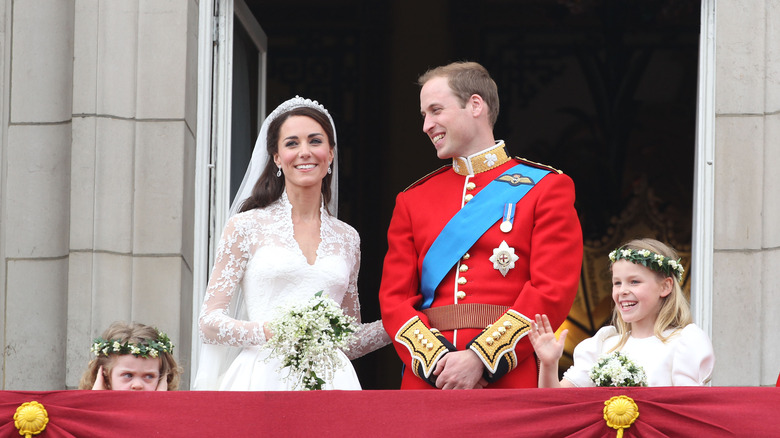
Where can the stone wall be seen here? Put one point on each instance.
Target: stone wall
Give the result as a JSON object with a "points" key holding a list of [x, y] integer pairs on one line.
{"points": [[747, 204]]}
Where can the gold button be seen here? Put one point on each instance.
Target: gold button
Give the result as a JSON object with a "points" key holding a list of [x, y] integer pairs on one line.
{"points": [[501, 330], [468, 197], [461, 295], [489, 341], [420, 337], [508, 324], [424, 342], [429, 346], [466, 256], [463, 268], [496, 335], [471, 186], [416, 331], [462, 280]]}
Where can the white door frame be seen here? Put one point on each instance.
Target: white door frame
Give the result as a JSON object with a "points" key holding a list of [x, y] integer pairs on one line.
{"points": [[212, 159], [702, 269]]}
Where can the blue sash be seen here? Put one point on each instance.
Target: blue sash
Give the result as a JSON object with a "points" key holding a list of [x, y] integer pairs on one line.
{"points": [[471, 222]]}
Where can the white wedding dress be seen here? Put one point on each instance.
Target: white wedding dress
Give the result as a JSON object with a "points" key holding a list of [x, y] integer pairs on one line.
{"points": [[259, 254]]}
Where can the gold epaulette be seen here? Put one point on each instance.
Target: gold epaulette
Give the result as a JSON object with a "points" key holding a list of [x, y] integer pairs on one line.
{"points": [[496, 344], [539, 165], [428, 176], [424, 345]]}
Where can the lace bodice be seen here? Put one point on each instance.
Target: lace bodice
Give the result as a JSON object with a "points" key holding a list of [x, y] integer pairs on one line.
{"points": [[259, 254]]}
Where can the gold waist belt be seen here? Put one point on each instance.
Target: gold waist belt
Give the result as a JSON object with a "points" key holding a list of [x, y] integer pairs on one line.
{"points": [[460, 316]]}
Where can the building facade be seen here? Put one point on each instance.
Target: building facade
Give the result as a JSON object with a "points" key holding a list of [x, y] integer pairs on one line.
{"points": [[110, 197]]}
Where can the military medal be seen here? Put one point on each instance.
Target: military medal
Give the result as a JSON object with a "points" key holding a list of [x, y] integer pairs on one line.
{"points": [[504, 258], [509, 217]]}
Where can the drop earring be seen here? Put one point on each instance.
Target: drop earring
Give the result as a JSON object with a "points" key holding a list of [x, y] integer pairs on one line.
{"points": [[329, 171], [279, 173]]}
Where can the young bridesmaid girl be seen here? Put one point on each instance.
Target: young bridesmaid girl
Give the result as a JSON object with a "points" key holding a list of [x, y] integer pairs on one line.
{"points": [[134, 357], [652, 325]]}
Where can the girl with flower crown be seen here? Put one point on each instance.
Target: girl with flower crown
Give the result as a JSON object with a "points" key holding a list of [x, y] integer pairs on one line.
{"points": [[282, 246], [134, 357], [652, 326]]}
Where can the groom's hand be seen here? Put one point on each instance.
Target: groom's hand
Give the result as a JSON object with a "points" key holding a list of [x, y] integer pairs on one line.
{"points": [[459, 370]]}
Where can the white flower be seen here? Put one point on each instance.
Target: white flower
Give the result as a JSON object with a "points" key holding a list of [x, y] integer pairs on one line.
{"points": [[490, 159], [116, 346], [307, 338], [616, 369], [644, 253]]}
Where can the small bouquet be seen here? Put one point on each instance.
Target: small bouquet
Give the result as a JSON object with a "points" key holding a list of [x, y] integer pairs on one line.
{"points": [[616, 369], [307, 338]]}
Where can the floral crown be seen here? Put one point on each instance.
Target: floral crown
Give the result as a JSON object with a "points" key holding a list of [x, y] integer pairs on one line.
{"points": [[651, 260], [148, 348]]}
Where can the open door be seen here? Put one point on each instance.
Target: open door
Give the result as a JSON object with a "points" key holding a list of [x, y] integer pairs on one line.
{"points": [[232, 50]]}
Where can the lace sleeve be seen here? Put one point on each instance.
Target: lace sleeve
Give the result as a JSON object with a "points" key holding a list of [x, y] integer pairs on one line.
{"points": [[369, 336], [215, 323]]}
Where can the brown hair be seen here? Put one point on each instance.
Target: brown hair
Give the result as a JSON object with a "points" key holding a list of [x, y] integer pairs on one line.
{"points": [[466, 79], [269, 187], [134, 333], [675, 312]]}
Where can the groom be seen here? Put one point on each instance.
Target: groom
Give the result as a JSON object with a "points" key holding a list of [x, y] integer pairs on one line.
{"points": [[477, 248]]}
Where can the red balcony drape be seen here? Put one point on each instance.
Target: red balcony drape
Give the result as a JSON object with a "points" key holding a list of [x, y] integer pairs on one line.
{"points": [[663, 412]]}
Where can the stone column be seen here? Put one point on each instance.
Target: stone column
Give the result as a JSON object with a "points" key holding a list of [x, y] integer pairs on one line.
{"points": [[747, 203], [38, 54], [133, 171]]}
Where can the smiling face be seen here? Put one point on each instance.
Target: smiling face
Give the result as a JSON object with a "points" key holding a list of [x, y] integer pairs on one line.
{"points": [[131, 373], [304, 152], [452, 128], [637, 292]]}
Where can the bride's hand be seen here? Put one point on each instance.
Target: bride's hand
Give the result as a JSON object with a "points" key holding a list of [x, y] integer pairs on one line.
{"points": [[267, 331]]}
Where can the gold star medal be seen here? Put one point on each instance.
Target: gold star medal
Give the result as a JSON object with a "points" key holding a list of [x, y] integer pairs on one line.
{"points": [[504, 258]]}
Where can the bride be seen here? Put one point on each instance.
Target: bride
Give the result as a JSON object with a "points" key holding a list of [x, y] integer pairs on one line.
{"points": [[282, 246]]}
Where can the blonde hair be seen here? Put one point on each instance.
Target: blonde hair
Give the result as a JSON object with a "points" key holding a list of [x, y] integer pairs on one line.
{"points": [[134, 333], [675, 312], [466, 79]]}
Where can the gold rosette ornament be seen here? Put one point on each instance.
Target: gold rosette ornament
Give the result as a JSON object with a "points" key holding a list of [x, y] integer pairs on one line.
{"points": [[31, 419], [620, 413]]}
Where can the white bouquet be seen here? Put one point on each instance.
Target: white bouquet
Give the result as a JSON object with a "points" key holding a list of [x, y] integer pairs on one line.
{"points": [[616, 369], [307, 338]]}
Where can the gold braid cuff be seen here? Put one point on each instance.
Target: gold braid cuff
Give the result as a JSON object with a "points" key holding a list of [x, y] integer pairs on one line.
{"points": [[496, 344], [425, 345]]}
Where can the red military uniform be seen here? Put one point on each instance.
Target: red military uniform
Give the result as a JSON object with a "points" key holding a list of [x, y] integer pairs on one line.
{"points": [[545, 236]]}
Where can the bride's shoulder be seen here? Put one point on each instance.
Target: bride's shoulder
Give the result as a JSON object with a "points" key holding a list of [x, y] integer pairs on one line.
{"points": [[344, 228], [251, 219]]}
